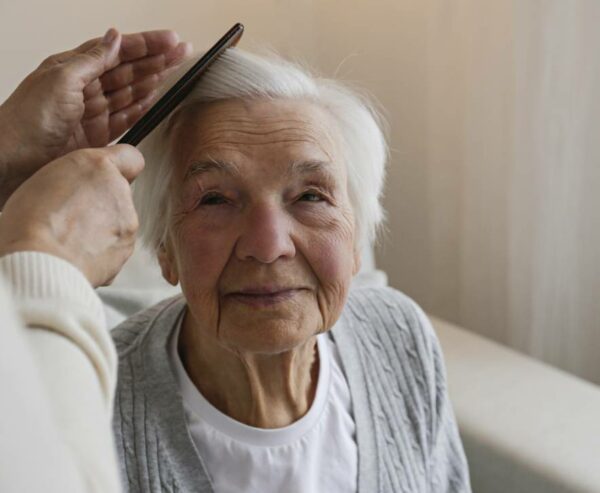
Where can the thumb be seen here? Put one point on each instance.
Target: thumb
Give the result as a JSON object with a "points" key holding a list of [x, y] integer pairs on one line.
{"points": [[102, 56], [128, 160]]}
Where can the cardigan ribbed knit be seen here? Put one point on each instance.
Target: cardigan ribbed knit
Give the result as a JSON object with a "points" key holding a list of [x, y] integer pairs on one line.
{"points": [[406, 432]]}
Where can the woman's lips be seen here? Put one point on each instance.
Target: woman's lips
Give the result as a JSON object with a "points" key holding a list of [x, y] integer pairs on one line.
{"points": [[263, 298]]}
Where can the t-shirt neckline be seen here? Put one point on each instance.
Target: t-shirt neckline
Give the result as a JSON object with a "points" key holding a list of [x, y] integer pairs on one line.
{"points": [[204, 410]]}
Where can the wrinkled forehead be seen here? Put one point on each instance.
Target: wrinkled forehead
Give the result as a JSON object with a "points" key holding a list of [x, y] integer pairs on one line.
{"points": [[251, 130]]}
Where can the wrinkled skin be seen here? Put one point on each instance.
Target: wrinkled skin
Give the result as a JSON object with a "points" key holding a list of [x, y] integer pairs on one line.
{"points": [[262, 240], [84, 97], [78, 208]]}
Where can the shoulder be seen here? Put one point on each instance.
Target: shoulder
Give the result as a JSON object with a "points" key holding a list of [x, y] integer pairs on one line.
{"points": [[130, 334], [387, 340], [371, 300], [146, 396], [388, 313], [391, 331]]}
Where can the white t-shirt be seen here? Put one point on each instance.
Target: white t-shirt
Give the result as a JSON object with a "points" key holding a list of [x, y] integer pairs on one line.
{"points": [[317, 453]]}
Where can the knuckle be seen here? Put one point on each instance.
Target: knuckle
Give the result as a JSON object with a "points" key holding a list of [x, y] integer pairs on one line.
{"points": [[94, 55], [93, 157], [132, 229], [86, 153], [129, 229], [82, 158], [123, 189], [49, 61], [102, 160], [135, 223], [61, 76], [130, 223], [94, 163]]}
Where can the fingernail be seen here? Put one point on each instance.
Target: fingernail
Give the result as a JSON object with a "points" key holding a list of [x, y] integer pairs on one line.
{"points": [[110, 36]]}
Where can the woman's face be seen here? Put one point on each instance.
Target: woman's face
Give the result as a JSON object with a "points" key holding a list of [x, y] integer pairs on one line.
{"points": [[262, 236]]}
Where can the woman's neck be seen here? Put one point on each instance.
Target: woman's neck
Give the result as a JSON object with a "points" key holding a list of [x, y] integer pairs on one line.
{"points": [[260, 390]]}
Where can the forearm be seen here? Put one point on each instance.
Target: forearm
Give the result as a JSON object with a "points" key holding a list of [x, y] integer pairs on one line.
{"points": [[34, 454], [75, 363], [79, 408]]}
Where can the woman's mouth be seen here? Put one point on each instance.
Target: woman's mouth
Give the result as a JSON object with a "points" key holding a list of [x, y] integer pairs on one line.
{"points": [[260, 298]]}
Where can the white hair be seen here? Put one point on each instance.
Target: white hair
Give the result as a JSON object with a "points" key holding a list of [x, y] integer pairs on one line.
{"points": [[239, 74]]}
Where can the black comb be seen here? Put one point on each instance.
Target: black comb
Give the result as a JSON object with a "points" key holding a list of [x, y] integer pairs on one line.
{"points": [[165, 105]]}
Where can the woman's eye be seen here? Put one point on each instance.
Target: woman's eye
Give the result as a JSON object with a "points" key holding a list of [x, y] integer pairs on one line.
{"points": [[311, 197], [213, 199]]}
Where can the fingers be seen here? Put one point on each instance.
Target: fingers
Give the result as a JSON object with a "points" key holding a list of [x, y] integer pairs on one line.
{"points": [[122, 98], [122, 120], [125, 159], [130, 72], [125, 97], [118, 77], [129, 86], [78, 207], [105, 127], [128, 160], [91, 64], [92, 90], [136, 55], [139, 45]]}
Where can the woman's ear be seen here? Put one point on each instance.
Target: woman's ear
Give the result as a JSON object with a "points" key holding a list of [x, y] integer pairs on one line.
{"points": [[167, 264]]}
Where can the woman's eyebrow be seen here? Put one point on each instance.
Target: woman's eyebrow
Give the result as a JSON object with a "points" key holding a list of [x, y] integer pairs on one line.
{"points": [[225, 167], [310, 166], [324, 170], [206, 166]]}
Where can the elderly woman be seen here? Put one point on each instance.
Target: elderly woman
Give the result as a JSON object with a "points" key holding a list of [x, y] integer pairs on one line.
{"points": [[270, 374]]}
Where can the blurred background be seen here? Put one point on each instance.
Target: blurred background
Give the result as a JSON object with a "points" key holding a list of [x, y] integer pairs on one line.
{"points": [[493, 191]]}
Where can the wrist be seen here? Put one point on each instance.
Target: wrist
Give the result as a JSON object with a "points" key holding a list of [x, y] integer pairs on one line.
{"points": [[6, 146], [14, 163], [39, 242], [24, 245], [26, 236], [38, 275]]}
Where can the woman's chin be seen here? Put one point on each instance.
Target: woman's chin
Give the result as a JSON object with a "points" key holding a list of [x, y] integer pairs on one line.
{"points": [[266, 335]]}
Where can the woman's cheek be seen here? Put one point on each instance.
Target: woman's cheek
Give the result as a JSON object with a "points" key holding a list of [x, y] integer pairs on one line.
{"points": [[330, 253], [334, 282], [204, 247], [210, 219], [320, 215]]}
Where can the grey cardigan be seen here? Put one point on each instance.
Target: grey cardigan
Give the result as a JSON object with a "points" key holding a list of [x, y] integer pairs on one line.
{"points": [[406, 433]]}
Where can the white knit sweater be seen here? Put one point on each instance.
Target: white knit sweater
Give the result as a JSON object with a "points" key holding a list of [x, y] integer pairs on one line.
{"points": [[57, 379]]}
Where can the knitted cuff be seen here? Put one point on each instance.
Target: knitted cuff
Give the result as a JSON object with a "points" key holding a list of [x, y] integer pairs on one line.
{"points": [[36, 275]]}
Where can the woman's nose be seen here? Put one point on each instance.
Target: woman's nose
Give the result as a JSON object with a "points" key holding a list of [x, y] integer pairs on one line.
{"points": [[266, 235]]}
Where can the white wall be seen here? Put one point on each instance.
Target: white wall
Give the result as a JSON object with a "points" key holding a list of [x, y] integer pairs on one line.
{"points": [[32, 29]]}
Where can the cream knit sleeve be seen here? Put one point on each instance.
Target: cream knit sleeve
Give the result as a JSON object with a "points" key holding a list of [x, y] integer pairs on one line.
{"points": [[59, 373]]}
